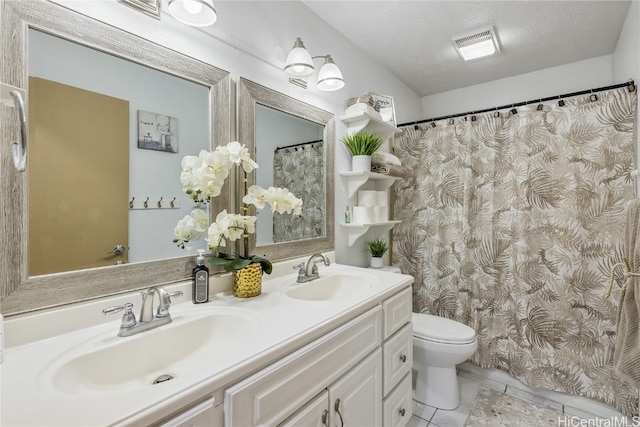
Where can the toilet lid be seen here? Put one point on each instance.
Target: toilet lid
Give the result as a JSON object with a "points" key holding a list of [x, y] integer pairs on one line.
{"points": [[441, 329]]}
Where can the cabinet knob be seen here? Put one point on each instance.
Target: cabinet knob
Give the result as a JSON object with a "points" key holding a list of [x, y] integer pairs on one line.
{"points": [[403, 358], [402, 412]]}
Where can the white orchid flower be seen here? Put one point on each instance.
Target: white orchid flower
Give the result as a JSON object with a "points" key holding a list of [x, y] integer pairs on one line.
{"points": [[255, 196]]}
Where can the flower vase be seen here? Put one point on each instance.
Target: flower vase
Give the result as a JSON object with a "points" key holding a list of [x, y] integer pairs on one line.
{"points": [[247, 282], [377, 262], [361, 163]]}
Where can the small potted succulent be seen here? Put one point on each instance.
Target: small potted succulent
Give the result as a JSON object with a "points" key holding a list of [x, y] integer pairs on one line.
{"points": [[377, 248], [361, 145]]}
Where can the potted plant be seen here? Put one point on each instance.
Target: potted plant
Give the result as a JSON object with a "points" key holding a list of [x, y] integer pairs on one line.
{"points": [[361, 145], [377, 248], [202, 177]]}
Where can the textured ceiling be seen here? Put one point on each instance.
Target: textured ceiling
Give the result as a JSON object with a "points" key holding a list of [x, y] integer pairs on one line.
{"points": [[413, 38]]}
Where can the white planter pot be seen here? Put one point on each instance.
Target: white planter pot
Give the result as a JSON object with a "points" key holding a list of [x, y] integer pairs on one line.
{"points": [[361, 163], [377, 262]]}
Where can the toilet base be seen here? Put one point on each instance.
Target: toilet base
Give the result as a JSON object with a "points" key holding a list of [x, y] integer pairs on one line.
{"points": [[437, 387]]}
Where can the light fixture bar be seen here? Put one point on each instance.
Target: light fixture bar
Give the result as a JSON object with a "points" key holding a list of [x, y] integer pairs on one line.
{"points": [[299, 65]]}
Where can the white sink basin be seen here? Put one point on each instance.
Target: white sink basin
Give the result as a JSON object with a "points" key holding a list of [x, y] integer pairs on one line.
{"points": [[189, 343], [333, 286]]}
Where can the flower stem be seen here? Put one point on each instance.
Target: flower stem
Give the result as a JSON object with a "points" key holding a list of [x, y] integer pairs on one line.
{"points": [[245, 210]]}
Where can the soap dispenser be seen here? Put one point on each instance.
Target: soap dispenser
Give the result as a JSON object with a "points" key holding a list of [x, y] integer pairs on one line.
{"points": [[200, 280]]}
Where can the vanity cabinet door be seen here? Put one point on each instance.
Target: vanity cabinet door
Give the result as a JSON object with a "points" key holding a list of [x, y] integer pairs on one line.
{"points": [[200, 415], [397, 406], [356, 398], [397, 353], [397, 312], [313, 414]]}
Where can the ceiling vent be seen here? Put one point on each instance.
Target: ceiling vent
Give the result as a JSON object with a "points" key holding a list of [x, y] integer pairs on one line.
{"points": [[477, 44]]}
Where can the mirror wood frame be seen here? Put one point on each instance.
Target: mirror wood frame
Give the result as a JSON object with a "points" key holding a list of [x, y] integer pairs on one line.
{"points": [[20, 293], [251, 93]]}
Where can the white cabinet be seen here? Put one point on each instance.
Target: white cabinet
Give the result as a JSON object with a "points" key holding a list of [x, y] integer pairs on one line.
{"points": [[274, 393], [356, 375], [397, 358], [356, 399], [199, 415], [313, 414], [353, 400]]}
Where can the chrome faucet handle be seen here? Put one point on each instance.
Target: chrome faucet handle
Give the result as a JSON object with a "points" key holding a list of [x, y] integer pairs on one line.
{"points": [[163, 309], [175, 294], [128, 318], [300, 268]]}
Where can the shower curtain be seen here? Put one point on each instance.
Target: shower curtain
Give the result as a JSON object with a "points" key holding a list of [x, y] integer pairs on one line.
{"points": [[511, 222], [300, 169]]}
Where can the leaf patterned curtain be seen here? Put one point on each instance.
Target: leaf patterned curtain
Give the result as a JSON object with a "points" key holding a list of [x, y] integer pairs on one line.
{"points": [[511, 223], [301, 170]]}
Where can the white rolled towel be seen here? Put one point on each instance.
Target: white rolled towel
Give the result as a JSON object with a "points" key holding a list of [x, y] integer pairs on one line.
{"points": [[382, 157]]}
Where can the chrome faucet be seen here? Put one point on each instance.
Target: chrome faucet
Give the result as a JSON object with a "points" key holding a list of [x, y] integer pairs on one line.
{"points": [[309, 271], [148, 320]]}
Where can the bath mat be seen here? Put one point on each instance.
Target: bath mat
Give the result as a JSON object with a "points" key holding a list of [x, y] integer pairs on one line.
{"points": [[496, 409]]}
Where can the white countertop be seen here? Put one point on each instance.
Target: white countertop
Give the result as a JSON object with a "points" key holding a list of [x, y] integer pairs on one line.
{"points": [[27, 396]]}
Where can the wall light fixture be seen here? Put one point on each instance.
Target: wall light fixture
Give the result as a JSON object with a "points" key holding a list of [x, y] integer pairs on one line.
{"points": [[197, 13], [299, 66]]}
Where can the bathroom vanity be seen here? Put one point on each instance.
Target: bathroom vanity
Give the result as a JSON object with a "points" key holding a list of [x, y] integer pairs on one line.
{"points": [[333, 351]]}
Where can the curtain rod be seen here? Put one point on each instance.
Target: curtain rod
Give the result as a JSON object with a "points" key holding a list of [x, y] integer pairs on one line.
{"points": [[630, 84], [299, 144]]}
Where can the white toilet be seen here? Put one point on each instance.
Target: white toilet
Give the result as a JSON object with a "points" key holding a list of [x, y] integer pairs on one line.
{"points": [[439, 344]]}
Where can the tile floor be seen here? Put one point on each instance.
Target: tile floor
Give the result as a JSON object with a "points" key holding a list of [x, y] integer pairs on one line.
{"points": [[472, 380]]}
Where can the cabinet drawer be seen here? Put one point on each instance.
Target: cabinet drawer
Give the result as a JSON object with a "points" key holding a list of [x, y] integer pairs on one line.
{"points": [[396, 408], [201, 415], [274, 393], [397, 312], [397, 356]]}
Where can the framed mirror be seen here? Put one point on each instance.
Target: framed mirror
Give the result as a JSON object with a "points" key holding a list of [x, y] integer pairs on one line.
{"points": [[181, 100], [293, 144]]}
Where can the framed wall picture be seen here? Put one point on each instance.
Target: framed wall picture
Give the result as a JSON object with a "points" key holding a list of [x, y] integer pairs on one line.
{"points": [[387, 110], [157, 132], [150, 7]]}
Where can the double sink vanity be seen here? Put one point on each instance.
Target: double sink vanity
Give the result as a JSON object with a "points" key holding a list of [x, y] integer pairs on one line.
{"points": [[332, 351]]}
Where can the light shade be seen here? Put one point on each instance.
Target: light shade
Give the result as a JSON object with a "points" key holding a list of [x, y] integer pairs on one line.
{"points": [[299, 62], [477, 45], [197, 13], [330, 76]]}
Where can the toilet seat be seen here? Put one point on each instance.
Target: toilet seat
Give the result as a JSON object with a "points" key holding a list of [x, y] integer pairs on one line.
{"points": [[441, 330]]}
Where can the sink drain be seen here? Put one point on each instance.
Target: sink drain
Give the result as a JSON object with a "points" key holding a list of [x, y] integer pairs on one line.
{"points": [[163, 378]]}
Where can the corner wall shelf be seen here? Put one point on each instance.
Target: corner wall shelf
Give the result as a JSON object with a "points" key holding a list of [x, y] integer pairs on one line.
{"points": [[354, 180], [355, 231], [360, 121]]}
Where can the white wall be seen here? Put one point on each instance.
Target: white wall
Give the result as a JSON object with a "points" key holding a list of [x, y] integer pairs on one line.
{"points": [[251, 39], [574, 77], [626, 58]]}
